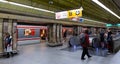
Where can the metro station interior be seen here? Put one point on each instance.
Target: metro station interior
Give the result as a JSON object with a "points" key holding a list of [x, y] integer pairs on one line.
{"points": [[41, 31]]}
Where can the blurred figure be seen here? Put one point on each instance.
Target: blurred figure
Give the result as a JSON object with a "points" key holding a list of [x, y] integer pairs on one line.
{"points": [[110, 41], [102, 33], [8, 44], [74, 40], [85, 46], [82, 34], [102, 39], [96, 40], [65, 35]]}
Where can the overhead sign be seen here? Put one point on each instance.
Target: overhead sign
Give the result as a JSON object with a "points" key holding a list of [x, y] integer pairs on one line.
{"points": [[109, 25], [74, 13], [69, 14], [75, 19], [118, 24], [81, 19], [61, 15]]}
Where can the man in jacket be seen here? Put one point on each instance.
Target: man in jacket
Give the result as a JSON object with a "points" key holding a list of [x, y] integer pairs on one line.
{"points": [[85, 45]]}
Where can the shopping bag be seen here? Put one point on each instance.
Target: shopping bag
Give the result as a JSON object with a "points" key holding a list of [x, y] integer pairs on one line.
{"points": [[9, 49]]}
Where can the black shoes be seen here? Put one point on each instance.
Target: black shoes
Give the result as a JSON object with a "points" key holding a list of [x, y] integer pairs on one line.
{"points": [[89, 56], [82, 58]]}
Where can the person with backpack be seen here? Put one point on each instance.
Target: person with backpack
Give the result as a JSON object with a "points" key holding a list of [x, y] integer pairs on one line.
{"points": [[85, 44], [8, 44]]}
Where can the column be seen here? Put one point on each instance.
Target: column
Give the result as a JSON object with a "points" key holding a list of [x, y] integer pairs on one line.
{"points": [[80, 28], [76, 30], [54, 35], [10, 26], [59, 33], [5, 29], [60, 28], [14, 35], [1, 39]]}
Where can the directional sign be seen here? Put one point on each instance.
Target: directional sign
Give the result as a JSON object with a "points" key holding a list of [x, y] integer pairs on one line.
{"points": [[118, 24], [81, 19], [109, 25]]}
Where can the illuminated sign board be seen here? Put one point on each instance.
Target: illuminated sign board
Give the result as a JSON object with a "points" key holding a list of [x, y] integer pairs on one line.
{"points": [[69, 14], [118, 24], [74, 13], [109, 25]]}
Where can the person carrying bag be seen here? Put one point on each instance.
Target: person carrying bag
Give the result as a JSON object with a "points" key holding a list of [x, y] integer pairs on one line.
{"points": [[8, 45], [85, 44]]}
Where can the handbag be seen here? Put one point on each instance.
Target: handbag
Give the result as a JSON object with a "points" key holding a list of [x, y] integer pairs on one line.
{"points": [[9, 49]]}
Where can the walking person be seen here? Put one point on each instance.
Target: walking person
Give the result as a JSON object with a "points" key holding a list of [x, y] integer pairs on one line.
{"points": [[110, 42], [8, 45], [102, 39], [85, 45]]}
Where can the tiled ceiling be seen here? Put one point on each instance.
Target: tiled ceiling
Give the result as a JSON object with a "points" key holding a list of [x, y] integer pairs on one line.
{"points": [[91, 10], [117, 3]]}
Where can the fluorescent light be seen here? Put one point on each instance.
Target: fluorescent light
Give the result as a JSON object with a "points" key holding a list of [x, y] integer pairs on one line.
{"points": [[13, 3], [95, 21], [103, 6]]}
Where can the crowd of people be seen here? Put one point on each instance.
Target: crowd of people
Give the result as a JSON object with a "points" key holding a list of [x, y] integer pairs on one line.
{"points": [[102, 40]]}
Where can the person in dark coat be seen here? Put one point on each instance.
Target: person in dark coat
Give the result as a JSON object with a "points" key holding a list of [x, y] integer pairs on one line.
{"points": [[102, 39], [85, 46], [110, 42], [65, 35]]}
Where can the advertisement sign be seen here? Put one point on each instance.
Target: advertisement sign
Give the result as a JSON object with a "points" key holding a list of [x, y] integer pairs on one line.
{"points": [[69, 14], [74, 13], [61, 15], [29, 32]]}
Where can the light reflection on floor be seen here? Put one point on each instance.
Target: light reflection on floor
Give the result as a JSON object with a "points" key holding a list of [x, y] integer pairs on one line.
{"points": [[40, 54]]}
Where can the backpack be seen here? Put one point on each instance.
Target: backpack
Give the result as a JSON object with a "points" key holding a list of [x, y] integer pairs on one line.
{"points": [[82, 40], [8, 40]]}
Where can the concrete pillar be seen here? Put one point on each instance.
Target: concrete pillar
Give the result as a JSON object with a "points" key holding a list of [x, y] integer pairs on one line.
{"points": [[5, 29], [1, 35], [76, 30], [59, 33], [14, 35], [81, 29], [10, 26], [60, 30], [54, 34]]}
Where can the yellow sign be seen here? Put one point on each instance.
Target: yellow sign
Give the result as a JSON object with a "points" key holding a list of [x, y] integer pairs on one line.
{"points": [[74, 13]]}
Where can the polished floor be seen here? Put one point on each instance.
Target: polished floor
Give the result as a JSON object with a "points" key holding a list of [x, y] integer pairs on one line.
{"points": [[41, 54]]}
